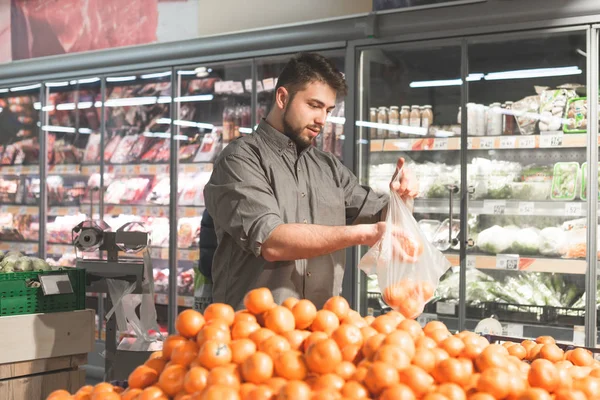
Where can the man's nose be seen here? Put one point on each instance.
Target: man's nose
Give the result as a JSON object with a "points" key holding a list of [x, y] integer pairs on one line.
{"points": [[322, 117]]}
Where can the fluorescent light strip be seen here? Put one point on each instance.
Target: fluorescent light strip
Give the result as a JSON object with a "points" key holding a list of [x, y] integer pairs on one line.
{"points": [[85, 131], [28, 87], [131, 101], [37, 105], [245, 130], [186, 72], [62, 129], [200, 97], [533, 73], [475, 77], [165, 135], [164, 99], [4, 90], [438, 83], [409, 130], [57, 84], [65, 106], [98, 104], [156, 75], [121, 78], [88, 80], [48, 108], [336, 120], [181, 122], [84, 104]]}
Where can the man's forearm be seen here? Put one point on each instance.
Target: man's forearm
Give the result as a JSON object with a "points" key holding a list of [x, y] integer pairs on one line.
{"points": [[298, 241]]}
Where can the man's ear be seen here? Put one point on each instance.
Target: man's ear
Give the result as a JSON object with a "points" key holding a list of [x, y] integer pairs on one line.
{"points": [[282, 97]]}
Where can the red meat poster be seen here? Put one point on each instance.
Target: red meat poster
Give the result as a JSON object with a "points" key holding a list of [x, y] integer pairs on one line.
{"points": [[39, 28]]}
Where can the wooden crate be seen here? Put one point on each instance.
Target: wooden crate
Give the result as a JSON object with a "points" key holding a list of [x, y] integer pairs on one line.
{"points": [[41, 353]]}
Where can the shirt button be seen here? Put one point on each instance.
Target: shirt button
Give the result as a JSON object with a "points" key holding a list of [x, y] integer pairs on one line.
{"points": [[290, 144], [303, 194], [308, 274]]}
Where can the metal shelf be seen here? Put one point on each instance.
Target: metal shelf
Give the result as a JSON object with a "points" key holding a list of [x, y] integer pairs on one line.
{"points": [[547, 141], [157, 253], [25, 247], [524, 263], [157, 169], [152, 210], [506, 207]]}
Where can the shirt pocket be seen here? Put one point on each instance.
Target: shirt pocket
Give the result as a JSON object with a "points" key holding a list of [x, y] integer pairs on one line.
{"points": [[331, 206]]}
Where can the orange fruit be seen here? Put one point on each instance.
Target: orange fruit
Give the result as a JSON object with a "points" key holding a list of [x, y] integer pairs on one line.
{"points": [[493, 356], [355, 390], [392, 355], [590, 386], [452, 391], [260, 335], [323, 357], [291, 365], [369, 319], [223, 376], [425, 359], [220, 392], [104, 396], [354, 318], [157, 364], [543, 374], [246, 388], [325, 321], [517, 350], [279, 319], [212, 332], [452, 370], [581, 357], [398, 391], [152, 393], [412, 327], [372, 344], [494, 381], [290, 302], [453, 346], [347, 335], [243, 329], [367, 332], [384, 324], [296, 338], [305, 313], [129, 394], [295, 390], [313, 338], [433, 326], [551, 352], [241, 349], [417, 379], [569, 394], [195, 380], [535, 394], [440, 335], [189, 322], [142, 377], [403, 340], [171, 380], [380, 376], [274, 345], [220, 311], [243, 315], [59, 395], [257, 368], [345, 370], [276, 383], [425, 342], [103, 387], [351, 353], [481, 396], [170, 343], [185, 354], [545, 340], [338, 305], [257, 301], [331, 382], [213, 354]]}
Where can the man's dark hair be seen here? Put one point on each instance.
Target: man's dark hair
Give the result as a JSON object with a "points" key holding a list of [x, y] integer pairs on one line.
{"points": [[305, 68]]}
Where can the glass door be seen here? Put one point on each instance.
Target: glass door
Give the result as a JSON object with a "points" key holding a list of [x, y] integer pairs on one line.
{"points": [[20, 169], [527, 138], [408, 107]]}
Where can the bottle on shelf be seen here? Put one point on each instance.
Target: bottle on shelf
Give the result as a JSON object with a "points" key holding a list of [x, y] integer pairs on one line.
{"points": [[494, 120], [382, 118], [228, 124], [415, 117], [509, 120], [426, 117], [394, 119], [373, 119]]}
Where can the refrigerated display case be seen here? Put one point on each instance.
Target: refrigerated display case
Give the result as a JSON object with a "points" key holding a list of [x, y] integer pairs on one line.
{"points": [[500, 157]]}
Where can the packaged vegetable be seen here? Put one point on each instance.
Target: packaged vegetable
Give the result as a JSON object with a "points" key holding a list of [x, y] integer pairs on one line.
{"points": [[564, 181], [576, 116], [408, 267], [583, 193], [552, 108], [495, 240], [553, 241], [527, 114], [527, 241]]}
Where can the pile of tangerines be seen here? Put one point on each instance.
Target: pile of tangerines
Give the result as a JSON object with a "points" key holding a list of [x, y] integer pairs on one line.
{"points": [[295, 351]]}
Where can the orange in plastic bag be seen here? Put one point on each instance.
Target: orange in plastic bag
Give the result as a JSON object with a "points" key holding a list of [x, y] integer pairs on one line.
{"points": [[408, 267]]}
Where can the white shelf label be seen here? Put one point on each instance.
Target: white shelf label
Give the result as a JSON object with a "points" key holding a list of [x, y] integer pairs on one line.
{"points": [[126, 210], [130, 169], [508, 142], [220, 86], [512, 330], [440, 144], [526, 208], [269, 84], [424, 318], [162, 299], [579, 335], [188, 301], [445, 308], [507, 261], [471, 262], [527, 142], [551, 141], [248, 85], [144, 169], [237, 87], [469, 143], [573, 209], [495, 207], [486, 143]]}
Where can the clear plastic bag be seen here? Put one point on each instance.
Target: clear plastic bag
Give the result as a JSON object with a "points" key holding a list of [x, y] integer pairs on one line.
{"points": [[407, 265]]}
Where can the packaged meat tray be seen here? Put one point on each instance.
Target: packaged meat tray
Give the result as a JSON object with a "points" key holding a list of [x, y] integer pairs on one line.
{"points": [[92, 149], [160, 191], [152, 153], [185, 283], [115, 191], [187, 153], [565, 180], [136, 190], [159, 228], [111, 147], [576, 116], [123, 150], [140, 145], [164, 152], [188, 232], [192, 192], [209, 147], [11, 190]]}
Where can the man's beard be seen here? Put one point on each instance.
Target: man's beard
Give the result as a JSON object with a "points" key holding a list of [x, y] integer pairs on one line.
{"points": [[295, 135]]}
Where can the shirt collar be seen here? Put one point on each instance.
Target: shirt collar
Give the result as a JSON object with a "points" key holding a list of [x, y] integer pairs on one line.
{"points": [[277, 139]]}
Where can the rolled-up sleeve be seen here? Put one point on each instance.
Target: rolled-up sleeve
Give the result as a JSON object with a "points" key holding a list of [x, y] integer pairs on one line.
{"points": [[363, 205], [241, 202]]}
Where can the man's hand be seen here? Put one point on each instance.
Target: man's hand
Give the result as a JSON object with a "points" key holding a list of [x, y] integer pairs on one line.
{"points": [[407, 186]]}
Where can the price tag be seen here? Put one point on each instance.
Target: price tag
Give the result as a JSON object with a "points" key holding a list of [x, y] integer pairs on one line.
{"points": [[248, 85], [512, 330], [23, 210], [220, 86], [188, 301], [56, 284], [127, 210], [162, 299], [53, 211], [508, 142], [440, 144], [18, 169], [495, 207], [424, 318], [526, 208], [551, 141], [527, 142], [259, 87], [486, 143], [579, 335], [445, 308], [507, 261], [471, 262], [144, 169], [4, 209], [269, 84], [469, 143], [237, 87], [573, 209], [130, 169]]}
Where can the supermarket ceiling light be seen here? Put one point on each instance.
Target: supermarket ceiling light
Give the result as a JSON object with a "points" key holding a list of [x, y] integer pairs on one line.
{"points": [[57, 84], [336, 120], [409, 130], [186, 72], [61, 129], [438, 83], [131, 101], [27, 87], [164, 99], [85, 131], [156, 75], [85, 104], [37, 105], [88, 80], [3, 90], [121, 78], [65, 106], [533, 73], [182, 122], [199, 97], [245, 130], [165, 135], [48, 108]]}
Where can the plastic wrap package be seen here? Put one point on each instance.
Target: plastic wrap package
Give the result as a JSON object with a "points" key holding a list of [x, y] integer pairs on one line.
{"points": [[527, 241], [188, 232], [576, 243], [553, 242], [495, 240], [152, 153], [160, 191], [408, 267], [111, 147], [493, 179], [552, 107], [116, 191], [527, 114], [192, 192], [210, 146], [159, 228], [92, 149], [122, 152], [187, 152], [136, 189]]}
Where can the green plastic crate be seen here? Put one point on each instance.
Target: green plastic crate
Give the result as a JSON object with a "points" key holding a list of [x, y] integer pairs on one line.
{"points": [[16, 298]]}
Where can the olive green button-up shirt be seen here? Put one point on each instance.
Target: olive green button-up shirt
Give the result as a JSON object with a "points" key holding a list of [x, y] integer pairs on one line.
{"points": [[259, 182]]}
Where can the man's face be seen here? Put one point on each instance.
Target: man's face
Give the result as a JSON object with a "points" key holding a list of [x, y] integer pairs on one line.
{"points": [[305, 114]]}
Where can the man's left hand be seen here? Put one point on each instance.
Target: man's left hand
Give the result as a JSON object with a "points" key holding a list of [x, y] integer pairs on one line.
{"points": [[407, 187]]}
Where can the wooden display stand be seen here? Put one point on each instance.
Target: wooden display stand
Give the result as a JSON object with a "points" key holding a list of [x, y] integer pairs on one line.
{"points": [[41, 353]]}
